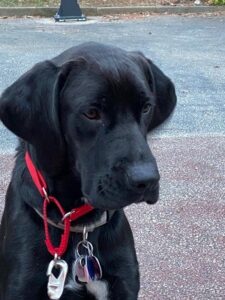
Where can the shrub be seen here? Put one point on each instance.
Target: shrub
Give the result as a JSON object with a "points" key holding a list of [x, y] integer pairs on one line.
{"points": [[218, 2]]}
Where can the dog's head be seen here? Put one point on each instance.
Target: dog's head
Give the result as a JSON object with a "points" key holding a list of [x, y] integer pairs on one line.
{"points": [[89, 111]]}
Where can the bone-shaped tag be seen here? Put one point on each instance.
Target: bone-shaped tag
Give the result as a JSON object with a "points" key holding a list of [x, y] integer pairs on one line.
{"points": [[56, 283]]}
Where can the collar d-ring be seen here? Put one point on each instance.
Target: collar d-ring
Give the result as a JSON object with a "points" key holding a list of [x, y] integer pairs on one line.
{"points": [[85, 233]]}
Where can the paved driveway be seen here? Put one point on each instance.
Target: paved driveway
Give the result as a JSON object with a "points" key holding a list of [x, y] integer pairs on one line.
{"points": [[181, 240]]}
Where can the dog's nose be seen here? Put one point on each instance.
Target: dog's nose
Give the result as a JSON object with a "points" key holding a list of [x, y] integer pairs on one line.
{"points": [[142, 176]]}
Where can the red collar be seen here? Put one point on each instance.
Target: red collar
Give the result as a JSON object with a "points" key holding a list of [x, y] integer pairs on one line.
{"points": [[67, 218]]}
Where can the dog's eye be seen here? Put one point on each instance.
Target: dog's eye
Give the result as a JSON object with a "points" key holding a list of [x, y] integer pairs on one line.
{"points": [[146, 108], [92, 114]]}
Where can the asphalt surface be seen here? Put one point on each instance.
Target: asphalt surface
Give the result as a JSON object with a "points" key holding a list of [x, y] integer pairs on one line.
{"points": [[181, 240]]}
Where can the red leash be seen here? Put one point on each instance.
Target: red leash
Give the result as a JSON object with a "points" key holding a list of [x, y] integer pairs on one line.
{"points": [[73, 215]]}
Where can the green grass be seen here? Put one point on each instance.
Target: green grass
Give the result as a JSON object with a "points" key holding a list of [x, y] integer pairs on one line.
{"points": [[218, 2]]}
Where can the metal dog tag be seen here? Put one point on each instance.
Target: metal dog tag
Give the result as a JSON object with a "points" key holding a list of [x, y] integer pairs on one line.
{"points": [[56, 283], [80, 274], [87, 267], [93, 267]]}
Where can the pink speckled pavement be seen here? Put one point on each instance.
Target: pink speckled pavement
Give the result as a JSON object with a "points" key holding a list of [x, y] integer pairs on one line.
{"points": [[180, 241]]}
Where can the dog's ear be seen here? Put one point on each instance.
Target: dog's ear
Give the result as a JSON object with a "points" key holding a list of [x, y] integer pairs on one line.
{"points": [[161, 86], [165, 96], [29, 108]]}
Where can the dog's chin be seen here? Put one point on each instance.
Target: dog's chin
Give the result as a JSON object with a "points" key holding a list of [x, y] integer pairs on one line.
{"points": [[105, 204], [153, 197], [151, 201], [110, 204]]}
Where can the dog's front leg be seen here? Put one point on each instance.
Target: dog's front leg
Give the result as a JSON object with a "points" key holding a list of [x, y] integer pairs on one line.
{"points": [[124, 289], [119, 260]]}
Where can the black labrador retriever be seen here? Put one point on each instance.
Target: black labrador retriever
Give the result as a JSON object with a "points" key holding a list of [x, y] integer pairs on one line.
{"points": [[82, 118]]}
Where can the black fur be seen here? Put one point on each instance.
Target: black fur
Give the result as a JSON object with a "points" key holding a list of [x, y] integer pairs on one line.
{"points": [[106, 159]]}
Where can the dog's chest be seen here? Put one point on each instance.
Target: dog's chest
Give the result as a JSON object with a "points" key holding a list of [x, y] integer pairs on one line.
{"points": [[98, 288]]}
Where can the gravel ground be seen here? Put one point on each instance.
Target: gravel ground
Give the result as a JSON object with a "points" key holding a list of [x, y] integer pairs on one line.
{"points": [[180, 241]]}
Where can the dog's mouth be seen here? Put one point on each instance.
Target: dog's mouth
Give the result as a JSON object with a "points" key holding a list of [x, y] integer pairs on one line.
{"points": [[120, 200]]}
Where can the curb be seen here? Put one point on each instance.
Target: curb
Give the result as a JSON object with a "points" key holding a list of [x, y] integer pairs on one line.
{"points": [[158, 9], [100, 11]]}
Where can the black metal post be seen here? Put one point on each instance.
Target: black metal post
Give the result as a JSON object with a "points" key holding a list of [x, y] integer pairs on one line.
{"points": [[69, 10]]}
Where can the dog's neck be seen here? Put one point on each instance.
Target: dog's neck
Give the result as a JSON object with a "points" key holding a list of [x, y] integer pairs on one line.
{"points": [[66, 187]]}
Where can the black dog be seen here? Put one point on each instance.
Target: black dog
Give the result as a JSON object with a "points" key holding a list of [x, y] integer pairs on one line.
{"points": [[83, 118]]}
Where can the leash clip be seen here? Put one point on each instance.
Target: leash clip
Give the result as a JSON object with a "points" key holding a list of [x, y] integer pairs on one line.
{"points": [[56, 283]]}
